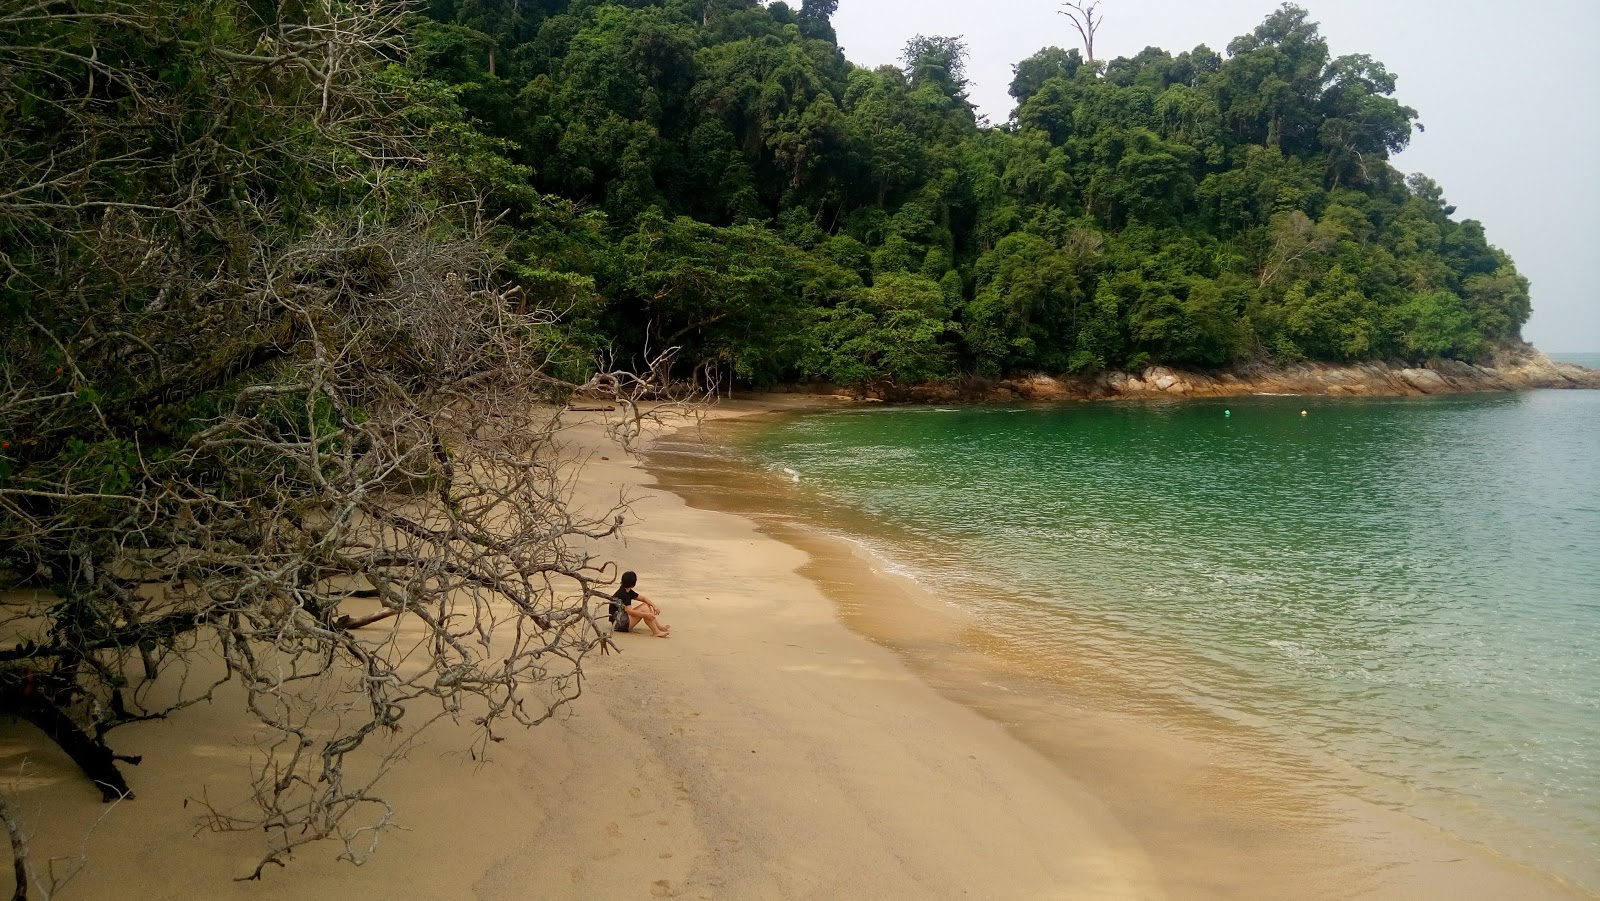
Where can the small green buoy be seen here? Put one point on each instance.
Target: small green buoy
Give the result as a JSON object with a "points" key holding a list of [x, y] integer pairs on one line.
{"points": [[1227, 412]]}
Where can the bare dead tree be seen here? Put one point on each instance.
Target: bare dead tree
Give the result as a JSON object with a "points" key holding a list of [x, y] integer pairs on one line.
{"points": [[651, 397], [269, 418], [392, 466], [1086, 19], [30, 877], [1294, 239], [20, 860]]}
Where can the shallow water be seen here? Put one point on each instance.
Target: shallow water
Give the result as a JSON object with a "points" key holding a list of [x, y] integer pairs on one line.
{"points": [[1401, 594]]}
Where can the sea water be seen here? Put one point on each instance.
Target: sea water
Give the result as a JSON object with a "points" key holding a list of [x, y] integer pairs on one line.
{"points": [[1586, 360], [1406, 590]]}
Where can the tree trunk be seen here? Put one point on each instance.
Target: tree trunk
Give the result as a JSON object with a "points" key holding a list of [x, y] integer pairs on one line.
{"points": [[19, 850], [90, 754]]}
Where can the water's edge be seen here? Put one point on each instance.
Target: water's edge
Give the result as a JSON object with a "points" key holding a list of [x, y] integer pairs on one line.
{"points": [[1518, 368], [1218, 821]]}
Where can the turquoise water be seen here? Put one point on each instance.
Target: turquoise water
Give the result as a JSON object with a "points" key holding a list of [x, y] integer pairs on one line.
{"points": [[1405, 590]]}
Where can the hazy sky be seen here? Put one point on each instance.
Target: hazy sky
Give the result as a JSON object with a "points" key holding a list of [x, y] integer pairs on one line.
{"points": [[1506, 90]]}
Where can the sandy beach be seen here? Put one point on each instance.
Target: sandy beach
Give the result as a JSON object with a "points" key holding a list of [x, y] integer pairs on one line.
{"points": [[769, 749], [762, 751]]}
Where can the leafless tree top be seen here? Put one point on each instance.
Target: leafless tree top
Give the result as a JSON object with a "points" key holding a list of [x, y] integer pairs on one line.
{"points": [[1086, 18]]}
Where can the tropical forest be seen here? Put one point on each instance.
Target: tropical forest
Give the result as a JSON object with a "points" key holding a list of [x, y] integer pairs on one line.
{"points": [[715, 175]]}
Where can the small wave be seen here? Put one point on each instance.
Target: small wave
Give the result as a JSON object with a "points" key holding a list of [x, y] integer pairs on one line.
{"points": [[896, 569], [792, 473], [882, 562]]}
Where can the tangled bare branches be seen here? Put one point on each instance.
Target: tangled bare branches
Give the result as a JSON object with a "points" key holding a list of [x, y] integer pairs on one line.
{"points": [[268, 416], [137, 105], [652, 397], [388, 468]]}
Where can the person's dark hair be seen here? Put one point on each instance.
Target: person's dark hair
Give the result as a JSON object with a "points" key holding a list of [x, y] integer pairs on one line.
{"points": [[629, 579]]}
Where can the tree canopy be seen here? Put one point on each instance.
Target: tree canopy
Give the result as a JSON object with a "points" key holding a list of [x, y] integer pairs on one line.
{"points": [[1240, 206]]}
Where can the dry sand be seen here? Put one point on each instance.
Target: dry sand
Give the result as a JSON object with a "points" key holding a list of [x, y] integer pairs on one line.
{"points": [[763, 751]]}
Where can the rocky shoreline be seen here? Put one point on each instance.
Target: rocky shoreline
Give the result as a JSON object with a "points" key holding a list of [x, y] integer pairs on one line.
{"points": [[1513, 369]]}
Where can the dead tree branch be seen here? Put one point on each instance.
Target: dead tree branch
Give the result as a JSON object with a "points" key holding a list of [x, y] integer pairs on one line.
{"points": [[1086, 19]]}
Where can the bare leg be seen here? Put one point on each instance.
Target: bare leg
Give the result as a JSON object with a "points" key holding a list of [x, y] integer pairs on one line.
{"points": [[649, 608], [659, 630]]}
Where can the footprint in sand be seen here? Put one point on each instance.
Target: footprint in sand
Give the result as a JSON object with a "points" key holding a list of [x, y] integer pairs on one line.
{"points": [[634, 793], [613, 830], [660, 888]]}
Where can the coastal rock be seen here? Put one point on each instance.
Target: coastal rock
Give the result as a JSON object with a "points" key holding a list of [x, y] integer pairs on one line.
{"points": [[1513, 368], [1425, 380], [1044, 387]]}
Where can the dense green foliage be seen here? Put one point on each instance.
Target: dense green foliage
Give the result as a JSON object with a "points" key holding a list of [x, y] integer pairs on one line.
{"points": [[771, 207]]}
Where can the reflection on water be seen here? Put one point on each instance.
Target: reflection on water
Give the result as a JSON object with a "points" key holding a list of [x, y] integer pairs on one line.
{"points": [[1404, 591]]}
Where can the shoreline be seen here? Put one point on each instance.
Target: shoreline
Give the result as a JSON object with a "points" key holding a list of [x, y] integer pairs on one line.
{"points": [[763, 751], [1214, 826], [777, 746], [1520, 368]]}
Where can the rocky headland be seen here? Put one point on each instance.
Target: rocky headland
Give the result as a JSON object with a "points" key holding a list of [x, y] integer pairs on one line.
{"points": [[1513, 369]]}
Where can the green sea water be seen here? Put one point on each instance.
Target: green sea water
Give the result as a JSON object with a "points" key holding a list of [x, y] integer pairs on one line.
{"points": [[1404, 591]]}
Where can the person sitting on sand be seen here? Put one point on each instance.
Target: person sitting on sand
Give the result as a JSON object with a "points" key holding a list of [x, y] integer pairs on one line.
{"points": [[640, 608]]}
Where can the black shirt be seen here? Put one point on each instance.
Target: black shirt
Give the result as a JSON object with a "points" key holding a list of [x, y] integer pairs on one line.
{"points": [[625, 595]]}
